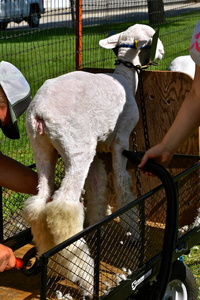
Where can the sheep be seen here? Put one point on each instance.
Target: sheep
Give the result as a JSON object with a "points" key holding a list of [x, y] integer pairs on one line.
{"points": [[76, 115], [183, 64]]}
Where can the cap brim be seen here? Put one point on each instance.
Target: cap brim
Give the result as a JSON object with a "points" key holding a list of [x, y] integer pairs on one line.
{"points": [[11, 131], [17, 92]]}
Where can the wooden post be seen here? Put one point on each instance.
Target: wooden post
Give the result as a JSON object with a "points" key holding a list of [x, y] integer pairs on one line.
{"points": [[78, 33]]}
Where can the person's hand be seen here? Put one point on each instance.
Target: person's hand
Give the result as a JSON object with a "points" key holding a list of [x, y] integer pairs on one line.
{"points": [[7, 258], [157, 153]]}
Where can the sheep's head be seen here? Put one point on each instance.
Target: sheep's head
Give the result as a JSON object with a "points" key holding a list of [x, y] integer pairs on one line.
{"points": [[134, 44]]}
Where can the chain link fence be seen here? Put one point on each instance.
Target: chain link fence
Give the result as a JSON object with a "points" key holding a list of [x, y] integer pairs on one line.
{"points": [[48, 48]]}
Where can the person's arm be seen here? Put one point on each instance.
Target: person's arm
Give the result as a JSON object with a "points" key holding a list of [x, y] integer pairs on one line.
{"points": [[186, 122], [17, 177], [7, 258]]}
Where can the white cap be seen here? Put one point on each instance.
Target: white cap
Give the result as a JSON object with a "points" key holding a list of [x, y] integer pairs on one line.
{"points": [[195, 44], [17, 91]]}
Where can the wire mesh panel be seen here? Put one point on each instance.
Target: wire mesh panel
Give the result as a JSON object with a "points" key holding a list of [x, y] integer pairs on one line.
{"points": [[116, 252], [119, 246], [188, 202], [13, 221]]}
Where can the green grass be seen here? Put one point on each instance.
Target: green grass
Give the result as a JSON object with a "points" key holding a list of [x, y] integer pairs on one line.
{"points": [[193, 262]]}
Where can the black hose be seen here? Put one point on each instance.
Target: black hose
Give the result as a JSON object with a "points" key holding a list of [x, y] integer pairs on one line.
{"points": [[171, 221]]}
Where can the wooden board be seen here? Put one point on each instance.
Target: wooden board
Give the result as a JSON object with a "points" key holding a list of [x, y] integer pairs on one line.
{"points": [[164, 92]]}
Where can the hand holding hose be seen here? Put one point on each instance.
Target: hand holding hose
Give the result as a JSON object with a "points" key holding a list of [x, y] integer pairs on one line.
{"points": [[159, 154]]}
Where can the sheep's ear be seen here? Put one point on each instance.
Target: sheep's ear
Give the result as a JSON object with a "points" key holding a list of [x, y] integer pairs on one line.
{"points": [[151, 41], [154, 44], [110, 42], [157, 49], [141, 44]]}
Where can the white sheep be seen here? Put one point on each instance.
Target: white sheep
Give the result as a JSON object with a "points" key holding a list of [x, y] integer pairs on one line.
{"points": [[76, 115], [183, 64]]}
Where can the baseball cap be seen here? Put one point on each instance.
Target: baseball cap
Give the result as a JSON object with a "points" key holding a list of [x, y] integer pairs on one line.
{"points": [[17, 91], [194, 44]]}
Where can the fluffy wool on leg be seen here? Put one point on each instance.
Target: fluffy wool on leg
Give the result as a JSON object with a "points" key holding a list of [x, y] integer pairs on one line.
{"points": [[65, 219], [42, 237], [56, 223], [33, 208]]}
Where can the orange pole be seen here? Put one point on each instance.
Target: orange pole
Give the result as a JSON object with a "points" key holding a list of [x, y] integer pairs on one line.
{"points": [[78, 34]]}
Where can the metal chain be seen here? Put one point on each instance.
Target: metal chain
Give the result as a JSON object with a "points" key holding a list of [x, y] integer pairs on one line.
{"points": [[137, 170], [145, 128], [143, 110], [138, 182], [139, 69]]}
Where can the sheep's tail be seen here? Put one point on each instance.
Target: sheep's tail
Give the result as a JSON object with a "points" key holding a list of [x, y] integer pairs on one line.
{"points": [[39, 125], [35, 125]]}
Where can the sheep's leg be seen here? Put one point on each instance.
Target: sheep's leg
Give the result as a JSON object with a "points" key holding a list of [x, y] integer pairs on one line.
{"points": [[65, 217], [73, 262], [66, 203], [45, 158], [95, 196], [123, 186], [34, 212]]}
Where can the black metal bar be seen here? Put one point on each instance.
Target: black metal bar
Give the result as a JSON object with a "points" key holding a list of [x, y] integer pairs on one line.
{"points": [[186, 242], [19, 240], [97, 264], [142, 232], [43, 288], [171, 221]]}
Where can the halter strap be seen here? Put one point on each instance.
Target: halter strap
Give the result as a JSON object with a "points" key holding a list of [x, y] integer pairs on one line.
{"points": [[134, 46], [130, 65], [127, 64]]}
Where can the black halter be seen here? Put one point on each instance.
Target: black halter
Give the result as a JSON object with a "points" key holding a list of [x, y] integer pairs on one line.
{"points": [[127, 64], [137, 68], [134, 46]]}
